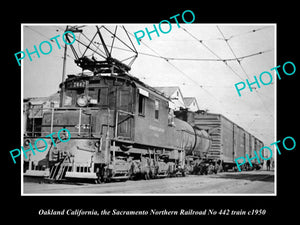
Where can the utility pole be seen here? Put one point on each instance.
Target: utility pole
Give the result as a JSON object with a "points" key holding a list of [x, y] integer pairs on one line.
{"points": [[64, 62], [62, 98]]}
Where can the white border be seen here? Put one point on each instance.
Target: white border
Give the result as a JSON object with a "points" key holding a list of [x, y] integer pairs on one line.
{"points": [[110, 24]]}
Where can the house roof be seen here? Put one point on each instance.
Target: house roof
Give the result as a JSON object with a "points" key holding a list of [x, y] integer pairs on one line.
{"points": [[168, 91], [188, 100], [41, 100]]}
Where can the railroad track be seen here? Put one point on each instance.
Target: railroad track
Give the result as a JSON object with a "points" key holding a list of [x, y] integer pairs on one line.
{"points": [[222, 183]]}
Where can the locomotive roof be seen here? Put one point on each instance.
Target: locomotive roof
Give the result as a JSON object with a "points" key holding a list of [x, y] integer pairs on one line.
{"points": [[134, 80]]}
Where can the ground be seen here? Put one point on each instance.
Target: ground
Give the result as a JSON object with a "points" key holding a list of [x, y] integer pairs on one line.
{"points": [[248, 182]]}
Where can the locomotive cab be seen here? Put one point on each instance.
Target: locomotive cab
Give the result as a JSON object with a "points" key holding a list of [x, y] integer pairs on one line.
{"points": [[110, 97]]}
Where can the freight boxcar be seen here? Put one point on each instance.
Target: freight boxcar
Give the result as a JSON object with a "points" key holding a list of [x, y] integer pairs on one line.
{"points": [[229, 141]]}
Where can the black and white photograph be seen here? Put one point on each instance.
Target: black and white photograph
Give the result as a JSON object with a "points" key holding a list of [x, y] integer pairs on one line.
{"points": [[165, 115], [169, 113]]}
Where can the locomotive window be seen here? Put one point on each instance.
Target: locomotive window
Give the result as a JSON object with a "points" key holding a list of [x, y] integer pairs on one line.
{"points": [[94, 95], [124, 100], [103, 96], [141, 105], [70, 96], [156, 112]]}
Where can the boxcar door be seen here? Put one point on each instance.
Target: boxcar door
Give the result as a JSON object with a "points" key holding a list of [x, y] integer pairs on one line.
{"points": [[124, 113], [235, 142]]}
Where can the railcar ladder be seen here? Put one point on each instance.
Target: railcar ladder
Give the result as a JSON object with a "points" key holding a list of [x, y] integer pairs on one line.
{"points": [[57, 171]]}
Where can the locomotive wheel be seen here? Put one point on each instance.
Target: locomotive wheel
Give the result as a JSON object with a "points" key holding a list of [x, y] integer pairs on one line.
{"points": [[98, 180], [151, 175], [146, 176], [107, 175], [125, 148], [107, 180]]}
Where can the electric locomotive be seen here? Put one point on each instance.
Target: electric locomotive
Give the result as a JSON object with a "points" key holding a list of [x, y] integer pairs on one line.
{"points": [[120, 128]]}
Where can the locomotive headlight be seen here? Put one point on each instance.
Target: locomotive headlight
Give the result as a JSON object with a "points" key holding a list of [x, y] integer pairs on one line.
{"points": [[26, 142], [82, 100], [64, 136]]}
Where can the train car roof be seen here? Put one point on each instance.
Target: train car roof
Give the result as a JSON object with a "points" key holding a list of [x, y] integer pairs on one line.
{"points": [[218, 114], [137, 82]]}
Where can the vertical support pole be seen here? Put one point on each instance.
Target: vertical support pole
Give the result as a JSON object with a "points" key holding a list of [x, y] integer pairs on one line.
{"points": [[79, 122], [63, 75], [100, 142], [107, 140], [52, 118], [114, 152], [73, 165], [116, 125], [30, 162], [92, 164], [33, 130], [244, 144], [155, 157], [90, 126], [25, 117], [233, 142], [181, 158], [107, 155]]}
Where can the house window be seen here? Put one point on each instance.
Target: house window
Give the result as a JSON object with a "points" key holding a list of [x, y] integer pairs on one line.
{"points": [[141, 105], [156, 113]]}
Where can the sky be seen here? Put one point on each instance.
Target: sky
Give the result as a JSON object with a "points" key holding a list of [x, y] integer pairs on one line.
{"points": [[188, 57]]}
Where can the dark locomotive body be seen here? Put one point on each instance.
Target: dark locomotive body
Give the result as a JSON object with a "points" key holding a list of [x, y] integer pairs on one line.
{"points": [[120, 128]]}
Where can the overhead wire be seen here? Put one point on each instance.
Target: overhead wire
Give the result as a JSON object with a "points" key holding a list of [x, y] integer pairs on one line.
{"points": [[49, 40], [30, 28], [236, 58], [183, 59], [183, 73], [168, 59], [248, 32], [211, 51], [243, 69], [219, 59], [239, 62], [187, 76]]}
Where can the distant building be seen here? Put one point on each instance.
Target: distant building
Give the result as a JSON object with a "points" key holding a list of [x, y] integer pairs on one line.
{"points": [[47, 102], [191, 104], [33, 108], [174, 94]]}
